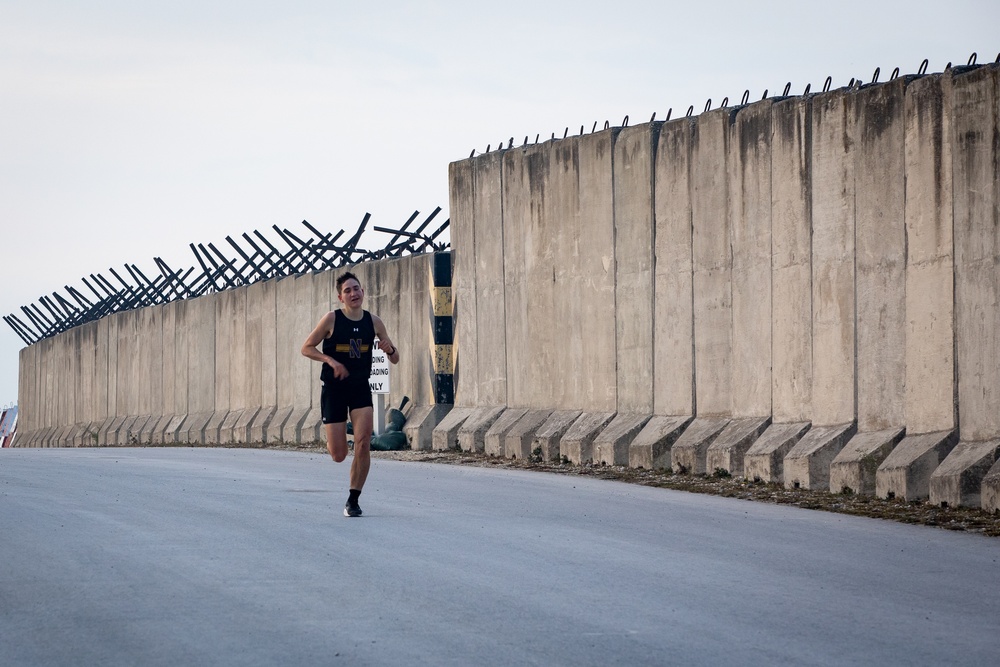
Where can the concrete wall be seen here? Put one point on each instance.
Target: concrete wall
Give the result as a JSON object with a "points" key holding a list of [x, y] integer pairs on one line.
{"points": [[206, 370], [828, 260]]}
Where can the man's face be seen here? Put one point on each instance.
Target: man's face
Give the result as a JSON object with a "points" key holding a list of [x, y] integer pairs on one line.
{"points": [[351, 294]]}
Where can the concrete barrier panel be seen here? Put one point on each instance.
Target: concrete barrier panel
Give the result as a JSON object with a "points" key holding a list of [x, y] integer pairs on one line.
{"points": [[854, 469], [673, 316], [612, 444], [181, 371], [807, 464], [472, 432], [446, 432], [791, 266], [577, 443], [491, 347], [976, 182], [494, 438], [517, 329], [518, 440], [749, 163], [880, 238], [690, 453], [548, 437], [765, 459], [462, 197], [957, 482], [906, 472], [990, 490], [651, 447], [712, 263], [833, 302], [930, 282], [728, 450], [420, 425], [634, 160]]}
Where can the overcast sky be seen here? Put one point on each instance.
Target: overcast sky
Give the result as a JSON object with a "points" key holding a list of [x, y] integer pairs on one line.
{"points": [[129, 129]]}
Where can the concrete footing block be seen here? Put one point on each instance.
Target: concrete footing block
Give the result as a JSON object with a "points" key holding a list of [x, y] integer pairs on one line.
{"points": [[853, 470], [311, 432], [690, 453], [213, 428], [906, 472], [765, 459], [146, 432], [498, 431], [63, 436], [259, 430], [517, 443], [291, 430], [133, 434], [193, 430], [807, 464], [990, 489], [577, 444], [87, 436], [227, 426], [124, 433], [241, 429], [109, 431], [549, 434], [171, 433], [651, 447], [421, 422], [957, 482], [611, 446], [472, 432], [445, 434], [728, 450], [277, 431]]}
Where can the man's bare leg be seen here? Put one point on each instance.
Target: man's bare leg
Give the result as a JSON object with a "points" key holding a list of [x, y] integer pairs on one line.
{"points": [[336, 440], [362, 419]]}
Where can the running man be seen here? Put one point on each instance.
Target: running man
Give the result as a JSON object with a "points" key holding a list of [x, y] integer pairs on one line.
{"points": [[347, 336]]}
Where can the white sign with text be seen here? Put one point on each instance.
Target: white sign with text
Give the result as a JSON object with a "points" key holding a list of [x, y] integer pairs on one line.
{"points": [[379, 379]]}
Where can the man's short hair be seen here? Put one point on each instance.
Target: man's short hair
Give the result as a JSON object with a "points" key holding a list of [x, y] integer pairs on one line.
{"points": [[344, 277]]}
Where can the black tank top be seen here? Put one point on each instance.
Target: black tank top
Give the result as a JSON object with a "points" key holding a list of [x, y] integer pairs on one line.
{"points": [[351, 344]]}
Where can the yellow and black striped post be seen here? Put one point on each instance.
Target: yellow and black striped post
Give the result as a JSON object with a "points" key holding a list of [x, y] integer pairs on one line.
{"points": [[444, 330]]}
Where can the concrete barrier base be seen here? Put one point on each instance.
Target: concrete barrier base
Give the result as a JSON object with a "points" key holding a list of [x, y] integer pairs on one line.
{"points": [[517, 442], [446, 432], [228, 424], [62, 436], [765, 459], [291, 429], [193, 430], [612, 445], [472, 432], [258, 432], [87, 437], [133, 436], [498, 431], [990, 489], [109, 431], [689, 454], [957, 482], [121, 434], [278, 432], [421, 422], [549, 434], [577, 444], [906, 472], [146, 432], [651, 447], [728, 450], [168, 429], [853, 470], [213, 429], [311, 432], [241, 430], [807, 464]]}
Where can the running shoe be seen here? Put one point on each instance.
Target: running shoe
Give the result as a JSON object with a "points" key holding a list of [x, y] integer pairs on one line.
{"points": [[352, 509]]}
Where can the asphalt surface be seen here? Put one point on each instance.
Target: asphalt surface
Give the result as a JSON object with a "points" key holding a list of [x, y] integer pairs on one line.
{"points": [[243, 557]]}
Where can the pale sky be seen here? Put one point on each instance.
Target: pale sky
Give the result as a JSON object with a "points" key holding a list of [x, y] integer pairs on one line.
{"points": [[129, 129]]}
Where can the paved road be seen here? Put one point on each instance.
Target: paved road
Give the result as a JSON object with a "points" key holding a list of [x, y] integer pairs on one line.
{"points": [[243, 557]]}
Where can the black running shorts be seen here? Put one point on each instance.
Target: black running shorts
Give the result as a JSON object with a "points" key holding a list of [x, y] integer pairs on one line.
{"points": [[339, 397]]}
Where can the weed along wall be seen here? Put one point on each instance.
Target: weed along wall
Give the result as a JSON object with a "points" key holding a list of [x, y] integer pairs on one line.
{"points": [[803, 290], [222, 368]]}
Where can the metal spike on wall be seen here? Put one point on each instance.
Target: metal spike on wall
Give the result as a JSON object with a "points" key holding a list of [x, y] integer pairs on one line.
{"points": [[259, 258]]}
